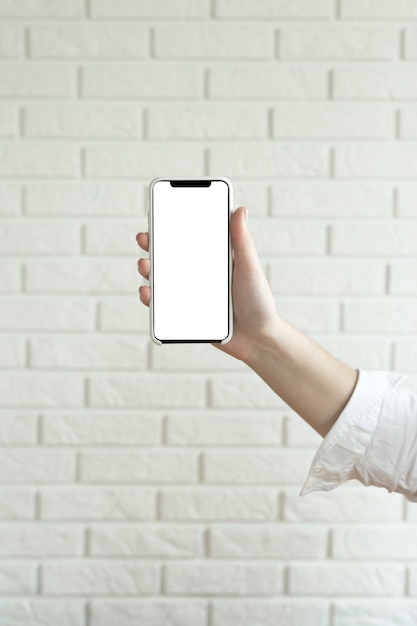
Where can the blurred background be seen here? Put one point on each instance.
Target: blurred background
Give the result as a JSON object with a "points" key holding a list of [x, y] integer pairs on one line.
{"points": [[159, 486]]}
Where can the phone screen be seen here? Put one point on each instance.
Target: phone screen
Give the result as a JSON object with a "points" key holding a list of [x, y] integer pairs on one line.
{"points": [[190, 259]]}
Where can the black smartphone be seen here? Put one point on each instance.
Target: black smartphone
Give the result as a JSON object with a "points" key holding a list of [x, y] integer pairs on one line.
{"points": [[191, 260]]}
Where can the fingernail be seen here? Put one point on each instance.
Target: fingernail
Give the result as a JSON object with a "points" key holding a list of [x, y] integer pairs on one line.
{"points": [[246, 214]]}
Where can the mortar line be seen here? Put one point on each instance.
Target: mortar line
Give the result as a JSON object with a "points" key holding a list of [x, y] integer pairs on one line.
{"points": [[397, 124], [26, 43], [87, 613], [38, 437], [338, 9], [210, 613], [395, 202]]}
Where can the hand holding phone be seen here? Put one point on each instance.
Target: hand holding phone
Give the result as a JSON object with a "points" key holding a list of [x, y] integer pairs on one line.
{"points": [[254, 312]]}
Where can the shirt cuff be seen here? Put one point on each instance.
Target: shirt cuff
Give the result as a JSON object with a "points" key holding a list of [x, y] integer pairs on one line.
{"points": [[339, 455]]}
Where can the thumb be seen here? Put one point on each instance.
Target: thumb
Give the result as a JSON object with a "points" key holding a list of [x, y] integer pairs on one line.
{"points": [[245, 256]]}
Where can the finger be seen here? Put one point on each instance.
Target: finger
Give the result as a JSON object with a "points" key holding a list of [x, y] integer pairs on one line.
{"points": [[144, 267], [144, 295], [143, 241], [244, 251]]}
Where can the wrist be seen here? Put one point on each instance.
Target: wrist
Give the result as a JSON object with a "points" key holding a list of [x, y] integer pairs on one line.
{"points": [[271, 340]]}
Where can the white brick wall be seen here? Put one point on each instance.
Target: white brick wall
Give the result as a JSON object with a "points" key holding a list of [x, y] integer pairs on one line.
{"points": [[159, 486]]}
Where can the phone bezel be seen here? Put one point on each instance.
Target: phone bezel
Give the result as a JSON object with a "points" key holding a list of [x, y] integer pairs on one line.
{"points": [[189, 182]]}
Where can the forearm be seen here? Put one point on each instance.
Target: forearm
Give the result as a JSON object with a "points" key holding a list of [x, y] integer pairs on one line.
{"points": [[309, 379]]}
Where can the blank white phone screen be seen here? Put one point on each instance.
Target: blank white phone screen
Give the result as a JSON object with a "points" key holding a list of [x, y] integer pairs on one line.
{"points": [[190, 261]]}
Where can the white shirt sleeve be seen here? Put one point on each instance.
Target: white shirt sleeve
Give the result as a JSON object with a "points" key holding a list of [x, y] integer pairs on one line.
{"points": [[374, 439]]}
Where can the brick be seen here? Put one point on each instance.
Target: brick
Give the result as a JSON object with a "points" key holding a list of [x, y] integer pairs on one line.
{"points": [[252, 195], [9, 123], [41, 390], [219, 504], [300, 278], [11, 41], [345, 579], [36, 238], [412, 573], [83, 121], [269, 613], [12, 352], [152, 613], [84, 503], [397, 239], [43, 611], [44, 314], [100, 427], [385, 613], [10, 277], [260, 161], [17, 578], [39, 161], [224, 579], [89, 200], [143, 9], [279, 238], [375, 83], [410, 512], [311, 316], [127, 81], [16, 504], [113, 238], [92, 41], [42, 8], [370, 354], [225, 429], [18, 429], [335, 201], [345, 505], [212, 122], [245, 391], [403, 278], [374, 542], [372, 162], [143, 162], [100, 578], [46, 81], [217, 41], [9, 201], [192, 356], [405, 355], [37, 466], [333, 122], [257, 82], [268, 543], [87, 276], [408, 123], [158, 542], [410, 43], [123, 315], [378, 9], [384, 316], [41, 541], [145, 391], [254, 467], [278, 9], [154, 466], [338, 43], [93, 353]]}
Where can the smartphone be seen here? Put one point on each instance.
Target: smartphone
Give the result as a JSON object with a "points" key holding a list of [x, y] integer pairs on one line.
{"points": [[191, 260]]}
